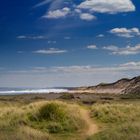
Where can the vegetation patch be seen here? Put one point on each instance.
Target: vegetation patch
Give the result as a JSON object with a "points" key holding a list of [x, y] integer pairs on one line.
{"points": [[127, 131], [56, 120], [119, 121], [57, 117], [67, 96], [115, 113], [28, 133]]}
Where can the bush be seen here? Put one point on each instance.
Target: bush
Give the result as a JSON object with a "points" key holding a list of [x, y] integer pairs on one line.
{"points": [[51, 112], [56, 117], [67, 96]]}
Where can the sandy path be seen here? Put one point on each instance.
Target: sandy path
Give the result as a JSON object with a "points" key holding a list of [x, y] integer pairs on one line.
{"points": [[92, 127]]}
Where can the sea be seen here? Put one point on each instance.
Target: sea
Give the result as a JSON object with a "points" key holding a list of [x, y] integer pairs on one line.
{"points": [[17, 91]]}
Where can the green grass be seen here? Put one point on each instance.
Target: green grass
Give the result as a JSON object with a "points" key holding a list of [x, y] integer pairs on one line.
{"points": [[127, 131], [115, 113], [119, 121], [57, 117], [35, 119], [39, 120]]}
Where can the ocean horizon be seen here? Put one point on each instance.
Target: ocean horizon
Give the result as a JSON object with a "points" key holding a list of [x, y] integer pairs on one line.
{"points": [[17, 91]]}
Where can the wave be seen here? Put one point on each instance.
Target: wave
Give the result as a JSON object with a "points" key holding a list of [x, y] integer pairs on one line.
{"points": [[32, 91]]}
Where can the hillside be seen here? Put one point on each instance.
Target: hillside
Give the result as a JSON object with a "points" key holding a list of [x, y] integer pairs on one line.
{"points": [[122, 86]]}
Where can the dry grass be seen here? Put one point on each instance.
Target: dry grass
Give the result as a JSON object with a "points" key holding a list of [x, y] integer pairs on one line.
{"points": [[121, 121], [115, 113], [56, 120], [36, 120], [28, 133], [56, 117]]}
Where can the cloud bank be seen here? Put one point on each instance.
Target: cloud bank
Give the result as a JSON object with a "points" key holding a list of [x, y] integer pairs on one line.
{"points": [[123, 51], [69, 75]]}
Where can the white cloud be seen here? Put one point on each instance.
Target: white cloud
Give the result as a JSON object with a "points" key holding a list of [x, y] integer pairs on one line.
{"points": [[31, 37], [92, 47], [108, 6], [85, 9], [50, 51], [124, 32], [87, 16], [131, 64], [111, 48], [124, 51], [100, 35], [59, 13], [78, 11]]}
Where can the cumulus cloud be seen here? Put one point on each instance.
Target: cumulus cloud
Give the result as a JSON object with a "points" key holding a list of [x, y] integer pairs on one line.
{"points": [[50, 51], [87, 16], [33, 37], [59, 13], [64, 12], [124, 32], [131, 64], [123, 51], [92, 47], [108, 6], [85, 9]]}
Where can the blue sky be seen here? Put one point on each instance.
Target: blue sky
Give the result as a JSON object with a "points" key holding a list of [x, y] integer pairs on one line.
{"points": [[68, 42]]}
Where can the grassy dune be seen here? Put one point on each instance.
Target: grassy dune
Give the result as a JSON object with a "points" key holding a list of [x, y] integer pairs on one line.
{"points": [[56, 117], [119, 121], [70, 120], [40, 120]]}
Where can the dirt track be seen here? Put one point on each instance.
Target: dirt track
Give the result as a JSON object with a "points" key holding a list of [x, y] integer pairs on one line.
{"points": [[92, 127]]}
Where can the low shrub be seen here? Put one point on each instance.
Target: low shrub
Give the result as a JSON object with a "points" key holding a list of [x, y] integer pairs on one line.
{"points": [[56, 117], [67, 96]]}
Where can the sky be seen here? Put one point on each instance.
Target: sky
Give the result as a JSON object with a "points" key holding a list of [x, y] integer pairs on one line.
{"points": [[56, 43]]}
